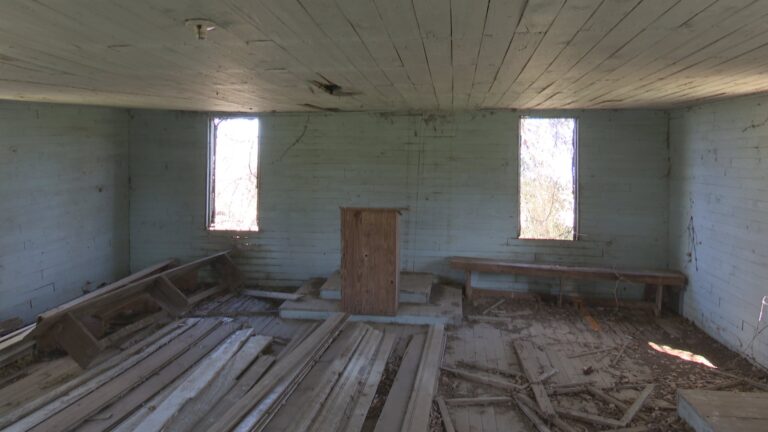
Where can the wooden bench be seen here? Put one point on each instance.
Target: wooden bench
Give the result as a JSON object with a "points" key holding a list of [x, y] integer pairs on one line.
{"points": [[652, 278]]}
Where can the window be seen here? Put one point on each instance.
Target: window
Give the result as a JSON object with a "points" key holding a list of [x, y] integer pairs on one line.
{"points": [[233, 174], [548, 162]]}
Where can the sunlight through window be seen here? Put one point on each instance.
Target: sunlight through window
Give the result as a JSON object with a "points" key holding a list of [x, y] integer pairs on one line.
{"points": [[234, 157]]}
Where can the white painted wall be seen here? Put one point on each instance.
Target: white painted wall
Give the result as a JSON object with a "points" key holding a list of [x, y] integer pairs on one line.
{"points": [[719, 218], [457, 174], [63, 203]]}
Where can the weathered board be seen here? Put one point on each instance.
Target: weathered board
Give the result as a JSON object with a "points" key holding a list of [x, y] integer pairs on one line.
{"points": [[370, 260]]}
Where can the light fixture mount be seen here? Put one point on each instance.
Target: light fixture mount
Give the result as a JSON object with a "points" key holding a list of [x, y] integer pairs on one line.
{"points": [[201, 27]]}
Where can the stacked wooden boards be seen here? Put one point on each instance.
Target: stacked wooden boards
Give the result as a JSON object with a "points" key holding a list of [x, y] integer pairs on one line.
{"points": [[201, 374], [370, 260], [714, 411]]}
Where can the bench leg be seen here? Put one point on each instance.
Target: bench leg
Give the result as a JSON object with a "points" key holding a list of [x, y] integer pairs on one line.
{"points": [[468, 285], [659, 299]]}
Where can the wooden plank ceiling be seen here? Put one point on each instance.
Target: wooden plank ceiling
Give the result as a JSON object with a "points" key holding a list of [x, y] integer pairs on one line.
{"points": [[385, 55]]}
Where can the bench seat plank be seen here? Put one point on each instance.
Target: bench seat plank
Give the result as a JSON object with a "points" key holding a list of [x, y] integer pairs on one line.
{"points": [[651, 277]]}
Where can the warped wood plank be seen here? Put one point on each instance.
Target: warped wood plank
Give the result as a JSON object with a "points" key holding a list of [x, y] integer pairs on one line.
{"points": [[396, 404], [425, 385]]}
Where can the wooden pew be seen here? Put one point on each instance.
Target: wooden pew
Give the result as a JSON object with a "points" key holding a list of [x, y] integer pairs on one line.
{"points": [[653, 278]]}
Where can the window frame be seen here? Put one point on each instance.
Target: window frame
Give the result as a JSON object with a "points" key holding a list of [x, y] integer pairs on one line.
{"points": [[210, 183], [576, 176]]}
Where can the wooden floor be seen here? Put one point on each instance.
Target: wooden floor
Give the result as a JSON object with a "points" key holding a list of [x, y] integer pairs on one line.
{"points": [[617, 352]]}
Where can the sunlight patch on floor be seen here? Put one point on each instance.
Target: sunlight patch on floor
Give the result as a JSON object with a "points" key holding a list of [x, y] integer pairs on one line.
{"points": [[682, 354]]}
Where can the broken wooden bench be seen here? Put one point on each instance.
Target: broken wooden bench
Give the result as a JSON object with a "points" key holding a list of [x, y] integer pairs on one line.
{"points": [[85, 326], [659, 279]]}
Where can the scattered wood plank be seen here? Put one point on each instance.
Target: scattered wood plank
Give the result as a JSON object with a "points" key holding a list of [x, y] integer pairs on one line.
{"points": [[363, 402], [66, 394], [425, 386], [490, 370], [141, 390], [326, 379], [252, 406], [485, 400], [751, 382], [491, 381], [493, 306], [483, 318], [338, 406], [204, 373], [69, 413], [526, 353], [589, 418], [445, 414], [591, 352], [616, 358], [538, 423], [241, 387], [275, 295], [194, 410], [635, 407], [396, 404]]}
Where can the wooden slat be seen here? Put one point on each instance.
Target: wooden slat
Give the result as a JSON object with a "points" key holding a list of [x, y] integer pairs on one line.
{"points": [[526, 353], [425, 385], [271, 294], [287, 369], [655, 277], [396, 404]]}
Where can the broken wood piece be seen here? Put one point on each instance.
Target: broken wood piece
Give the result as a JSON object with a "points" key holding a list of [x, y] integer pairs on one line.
{"points": [[532, 416], [252, 407], [751, 382], [642, 428], [588, 418], [635, 407], [425, 385], [724, 384], [484, 400], [204, 373], [483, 318], [491, 381], [363, 402], [557, 421], [493, 306], [490, 370], [396, 403], [619, 354], [445, 415], [275, 295], [546, 375], [526, 353], [588, 353], [600, 394]]}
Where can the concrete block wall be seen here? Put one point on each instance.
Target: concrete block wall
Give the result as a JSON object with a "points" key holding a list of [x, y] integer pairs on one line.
{"points": [[719, 218], [64, 199], [457, 174]]}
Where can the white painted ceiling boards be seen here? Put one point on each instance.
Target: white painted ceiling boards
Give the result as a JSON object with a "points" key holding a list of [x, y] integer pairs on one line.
{"points": [[379, 55]]}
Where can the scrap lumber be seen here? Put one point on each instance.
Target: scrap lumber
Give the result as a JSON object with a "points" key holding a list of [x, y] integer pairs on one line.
{"points": [[591, 352], [71, 416], [252, 407], [65, 395], [484, 318], [445, 415], [493, 306], [338, 406], [484, 400], [16, 351], [112, 415], [425, 386], [589, 418], [363, 403], [753, 383], [526, 352], [396, 404], [274, 295], [243, 384], [202, 403], [635, 407], [204, 373], [487, 380], [538, 423], [557, 421], [491, 370], [322, 380]]}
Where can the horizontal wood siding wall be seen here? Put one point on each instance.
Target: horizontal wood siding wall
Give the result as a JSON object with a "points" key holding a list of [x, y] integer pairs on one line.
{"points": [[719, 218], [457, 174], [64, 200]]}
